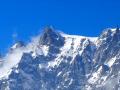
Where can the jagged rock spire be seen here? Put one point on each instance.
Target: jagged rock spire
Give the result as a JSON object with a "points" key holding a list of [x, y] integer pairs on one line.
{"points": [[51, 37]]}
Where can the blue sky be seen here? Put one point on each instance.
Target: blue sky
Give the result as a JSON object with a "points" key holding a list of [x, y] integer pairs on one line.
{"points": [[26, 18]]}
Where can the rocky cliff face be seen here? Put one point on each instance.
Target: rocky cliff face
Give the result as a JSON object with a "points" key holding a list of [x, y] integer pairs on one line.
{"points": [[105, 75], [57, 61]]}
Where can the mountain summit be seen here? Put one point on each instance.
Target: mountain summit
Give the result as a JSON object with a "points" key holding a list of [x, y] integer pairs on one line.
{"points": [[58, 61], [51, 37]]}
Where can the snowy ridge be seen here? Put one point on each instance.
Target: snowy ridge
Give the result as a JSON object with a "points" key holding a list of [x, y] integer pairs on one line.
{"points": [[73, 46], [78, 63], [70, 41], [92, 39]]}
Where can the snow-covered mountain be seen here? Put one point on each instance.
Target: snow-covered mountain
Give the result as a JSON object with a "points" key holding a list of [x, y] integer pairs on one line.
{"points": [[57, 61]]}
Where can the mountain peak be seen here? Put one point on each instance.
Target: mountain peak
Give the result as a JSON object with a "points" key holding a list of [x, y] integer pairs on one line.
{"points": [[48, 29], [18, 44], [65, 62], [51, 37]]}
